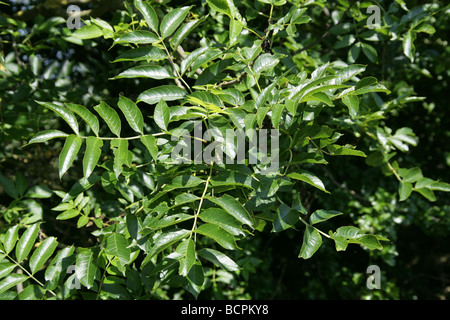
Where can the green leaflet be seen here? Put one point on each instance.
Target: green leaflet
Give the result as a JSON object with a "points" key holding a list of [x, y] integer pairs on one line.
{"points": [[42, 254], [187, 250], [308, 178], [132, 114], [68, 153], [121, 157], [363, 86], [187, 62], [196, 279], [312, 240], [337, 150], [340, 243], [323, 215], [39, 192], [150, 16], [26, 242], [183, 32], [171, 220], [285, 218], [222, 237], [235, 30], [86, 268], [408, 45], [9, 186], [172, 21], [184, 198], [11, 281], [352, 102], [21, 183], [370, 52], [351, 234], [68, 214], [117, 245], [47, 135], [91, 155], [62, 260], [184, 181], [226, 7], [404, 190], [277, 112], [138, 37], [203, 59], [165, 92], [162, 115], [10, 239], [234, 208], [110, 116], [220, 259], [150, 71], [6, 268], [266, 61], [265, 94], [63, 113], [86, 115], [88, 32], [222, 219], [165, 240], [149, 142]]}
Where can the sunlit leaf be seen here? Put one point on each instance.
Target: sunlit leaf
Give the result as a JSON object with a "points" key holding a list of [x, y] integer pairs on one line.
{"points": [[91, 155], [110, 116], [165, 92], [132, 114], [172, 21], [42, 254], [312, 240], [26, 242], [69, 153]]}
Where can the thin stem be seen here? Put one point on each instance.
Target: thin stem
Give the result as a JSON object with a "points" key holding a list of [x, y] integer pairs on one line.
{"points": [[26, 271], [393, 171], [309, 225], [172, 64], [201, 203], [320, 149], [270, 17], [253, 31], [102, 279]]}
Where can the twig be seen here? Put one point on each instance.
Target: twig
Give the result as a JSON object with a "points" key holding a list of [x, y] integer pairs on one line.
{"points": [[201, 203]]}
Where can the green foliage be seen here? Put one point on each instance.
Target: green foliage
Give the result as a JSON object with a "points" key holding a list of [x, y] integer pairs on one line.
{"points": [[165, 228]]}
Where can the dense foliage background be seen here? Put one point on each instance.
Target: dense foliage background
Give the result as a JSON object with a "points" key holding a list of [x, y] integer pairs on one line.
{"points": [[400, 124]]}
